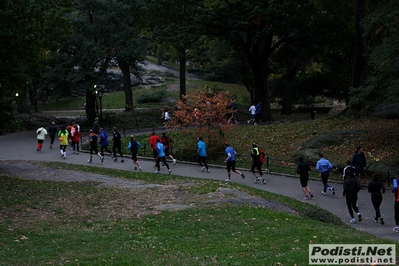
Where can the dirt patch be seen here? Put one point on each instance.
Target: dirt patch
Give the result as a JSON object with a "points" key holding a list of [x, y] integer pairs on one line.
{"points": [[110, 198]]}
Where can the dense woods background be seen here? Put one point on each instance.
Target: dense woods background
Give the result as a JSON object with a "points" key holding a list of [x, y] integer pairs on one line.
{"points": [[282, 51]]}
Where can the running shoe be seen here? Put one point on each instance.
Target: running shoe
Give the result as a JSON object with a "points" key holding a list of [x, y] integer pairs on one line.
{"points": [[333, 191], [375, 219], [264, 181], [323, 193], [382, 221], [169, 171], [242, 175], [102, 159], [227, 180], [89, 160], [174, 161], [311, 194], [353, 221], [359, 216], [202, 168], [396, 229]]}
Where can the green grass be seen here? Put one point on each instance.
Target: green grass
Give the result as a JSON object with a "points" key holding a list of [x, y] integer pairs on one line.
{"points": [[46, 223]]}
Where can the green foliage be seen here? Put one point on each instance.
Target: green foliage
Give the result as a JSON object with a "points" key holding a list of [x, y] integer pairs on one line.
{"points": [[30, 31], [382, 83], [105, 35], [8, 119], [153, 96]]}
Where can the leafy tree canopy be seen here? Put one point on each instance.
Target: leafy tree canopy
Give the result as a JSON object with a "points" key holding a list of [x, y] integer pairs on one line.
{"points": [[382, 84]]}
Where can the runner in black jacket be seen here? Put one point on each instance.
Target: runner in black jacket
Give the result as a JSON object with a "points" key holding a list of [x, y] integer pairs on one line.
{"points": [[375, 187], [351, 188], [303, 170]]}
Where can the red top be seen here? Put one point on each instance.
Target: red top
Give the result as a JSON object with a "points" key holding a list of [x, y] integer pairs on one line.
{"points": [[153, 141], [76, 137]]}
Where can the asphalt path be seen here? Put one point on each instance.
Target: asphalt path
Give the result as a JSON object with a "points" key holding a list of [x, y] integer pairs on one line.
{"points": [[21, 146]]}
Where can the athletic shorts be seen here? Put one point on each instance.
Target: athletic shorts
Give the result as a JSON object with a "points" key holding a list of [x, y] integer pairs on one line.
{"points": [[231, 165]]}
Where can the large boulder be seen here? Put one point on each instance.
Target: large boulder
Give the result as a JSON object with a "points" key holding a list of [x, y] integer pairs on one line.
{"points": [[383, 167], [34, 121], [312, 147], [386, 111], [310, 154], [322, 141]]}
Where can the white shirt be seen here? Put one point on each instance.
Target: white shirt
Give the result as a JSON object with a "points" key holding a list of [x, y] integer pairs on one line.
{"points": [[42, 134], [252, 109], [166, 116]]}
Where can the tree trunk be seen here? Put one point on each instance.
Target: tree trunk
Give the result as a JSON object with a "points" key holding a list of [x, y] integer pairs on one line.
{"points": [[90, 104], [182, 61], [359, 64], [127, 85], [22, 106], [288, 86], [33, 94], [262, 93], [258, 55]]}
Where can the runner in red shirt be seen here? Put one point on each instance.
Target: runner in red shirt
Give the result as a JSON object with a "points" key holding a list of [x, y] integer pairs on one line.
{"points": [[153, 144]]}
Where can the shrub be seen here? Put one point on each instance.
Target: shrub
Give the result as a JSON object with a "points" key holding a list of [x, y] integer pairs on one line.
{"points": [[152, 96]]}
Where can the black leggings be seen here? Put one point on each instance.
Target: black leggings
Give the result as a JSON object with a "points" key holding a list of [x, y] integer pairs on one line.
{"points": [[324, 178], [202, 161], [258, 166], [163, 159], [396, 207], [376, 200], [351, 203], [63, 147], [75, 146], [52, 137], [106, 149], [115, 147]]}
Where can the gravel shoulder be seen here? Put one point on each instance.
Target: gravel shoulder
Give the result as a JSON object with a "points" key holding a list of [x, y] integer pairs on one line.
{"points": [[176, 192]]}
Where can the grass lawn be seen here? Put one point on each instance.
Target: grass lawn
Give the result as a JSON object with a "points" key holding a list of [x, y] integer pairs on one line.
{"points": [[49, 223], [56, 223]]}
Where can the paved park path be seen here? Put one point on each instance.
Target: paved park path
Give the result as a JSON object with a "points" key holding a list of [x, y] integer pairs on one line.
{"points": [[21, 146]]}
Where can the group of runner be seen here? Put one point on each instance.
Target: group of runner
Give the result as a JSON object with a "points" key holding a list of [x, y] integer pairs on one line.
{"points": [[352, 173]]}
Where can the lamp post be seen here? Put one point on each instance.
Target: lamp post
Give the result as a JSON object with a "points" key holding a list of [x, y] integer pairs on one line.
{"points": [[17, 101], [100, 93]]}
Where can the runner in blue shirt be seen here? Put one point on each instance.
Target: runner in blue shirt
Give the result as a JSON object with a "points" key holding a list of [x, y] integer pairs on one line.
{"points": [[324, 167], [161, 156], [201, 152], [231, 162]]}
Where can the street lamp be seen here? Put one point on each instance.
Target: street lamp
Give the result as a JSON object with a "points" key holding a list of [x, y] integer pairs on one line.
{"points": [[100, 93]]}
